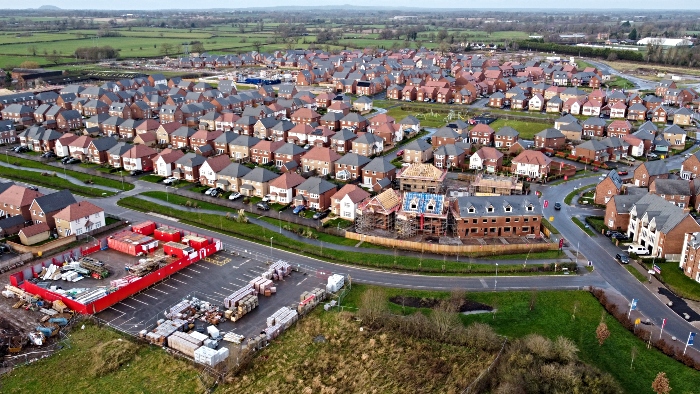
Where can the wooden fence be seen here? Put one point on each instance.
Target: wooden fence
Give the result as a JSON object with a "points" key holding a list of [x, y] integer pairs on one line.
{"points": [[42, 249], [477, 250]]}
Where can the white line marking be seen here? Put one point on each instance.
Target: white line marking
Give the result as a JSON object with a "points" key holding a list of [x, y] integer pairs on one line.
{"points": [[186, 275], [161, 291], [122, 302], [248, 276], [223, 295], [483, 283], [227, 289], [141, 302], [193, 270], [148, 295], [172, 287], [302, 281], [177, 280]]}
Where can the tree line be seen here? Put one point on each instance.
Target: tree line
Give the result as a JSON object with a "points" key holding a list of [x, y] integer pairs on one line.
{"points": [[96, 53]]}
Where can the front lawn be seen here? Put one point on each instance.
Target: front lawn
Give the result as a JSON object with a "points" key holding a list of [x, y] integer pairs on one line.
{"points": [[597, 222], [675, 279], [118, 185], [186, 202], [152, 178], [526, 129]]}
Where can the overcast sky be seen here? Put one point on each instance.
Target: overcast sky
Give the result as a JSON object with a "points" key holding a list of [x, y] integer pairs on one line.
{"points": [[589, 5]]}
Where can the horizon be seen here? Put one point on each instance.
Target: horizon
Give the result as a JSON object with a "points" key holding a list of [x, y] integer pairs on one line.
{"points": [[409, 5]]}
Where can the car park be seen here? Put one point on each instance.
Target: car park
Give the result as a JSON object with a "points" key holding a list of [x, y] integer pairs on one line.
{"points": [[234, 196], [297, 210], [557, 206], [321, 215], [623, 258], [262, 205]]}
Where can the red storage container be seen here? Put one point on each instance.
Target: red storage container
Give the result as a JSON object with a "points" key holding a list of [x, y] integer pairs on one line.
{"points": [[195, 241], [131, 243], [167, 234], [145, 228], [177, 249]]}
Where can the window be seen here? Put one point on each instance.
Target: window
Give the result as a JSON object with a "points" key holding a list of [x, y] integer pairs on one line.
{"points": [[530, 208], [471, 210], [484, 220], [507, 220], [526, 229], [509, 209], [475, 221], [473, 230], [526, 220], [489, 209]]}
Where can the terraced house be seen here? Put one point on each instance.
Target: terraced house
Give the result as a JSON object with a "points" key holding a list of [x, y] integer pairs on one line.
{"points": [[497, 216]]}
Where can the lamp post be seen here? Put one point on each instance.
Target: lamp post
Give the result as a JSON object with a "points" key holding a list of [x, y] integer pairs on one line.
{"points": [[271, 249], [167, 196], [495, 283], [279, 218], [7, 159]]}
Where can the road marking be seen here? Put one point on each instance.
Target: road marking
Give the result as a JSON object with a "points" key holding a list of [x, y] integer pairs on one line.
{"points": [[122, 302], [140, 302], [159, 291], [177, 280], [126, 321], [483, 283], [148, 295], [223, 295], [302, 281], [185, 275], [248, 276], [227, 289], [193, 270], [172, 287]]}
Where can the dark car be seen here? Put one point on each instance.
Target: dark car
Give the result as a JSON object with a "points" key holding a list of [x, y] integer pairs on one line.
{"points": [[73, 160], [136, 172], [557, 206], [263, 206], [297, 210], [4, 248], [48, 154], [65, 159], [321, 215], [36, 189], [622, 258]]}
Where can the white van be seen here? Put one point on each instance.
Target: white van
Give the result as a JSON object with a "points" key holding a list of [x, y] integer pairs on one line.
{"points": [[637, 249]]}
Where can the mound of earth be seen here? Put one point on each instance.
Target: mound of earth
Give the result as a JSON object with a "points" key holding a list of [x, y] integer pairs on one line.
{"points": [[430, 303]]}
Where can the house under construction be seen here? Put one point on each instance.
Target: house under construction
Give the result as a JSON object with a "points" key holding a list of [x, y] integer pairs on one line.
{"points": [[493, 185], [422, 214], [378, 212]]}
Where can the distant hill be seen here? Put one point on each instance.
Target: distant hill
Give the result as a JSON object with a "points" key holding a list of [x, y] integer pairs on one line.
{"points": [[49, 8]]}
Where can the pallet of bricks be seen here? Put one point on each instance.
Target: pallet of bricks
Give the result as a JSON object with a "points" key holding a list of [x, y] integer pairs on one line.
{"points": [[241, 302], [208, 356], [309, 299], [280, 321], [163, 331], [184, 343]]}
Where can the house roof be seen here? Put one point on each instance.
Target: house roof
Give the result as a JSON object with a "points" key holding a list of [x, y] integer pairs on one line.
{"points": [[139, 151], [287, 180], [625, 202], [78, 210], [449, 150], [322, 154], [55, 201], [418, 144], [666, 215], [674, 129], [532, 157], [550, 133], [316, 185], [289, 149], [657, 167], [480, 206], [488, 153], [245, 140], [35, 229], [672, 187], [260, 174], [354, 192], [18, 196], [218, 163], [423, 171], [446, 132], [353, 159], [234, 170], [191, 160], [507, 131], [379, 164], [344, 135]]}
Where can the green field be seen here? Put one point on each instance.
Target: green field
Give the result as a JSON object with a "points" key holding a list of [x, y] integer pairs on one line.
{"points": [[53, 182], [551, 316], [526, 129], [97, 180]]}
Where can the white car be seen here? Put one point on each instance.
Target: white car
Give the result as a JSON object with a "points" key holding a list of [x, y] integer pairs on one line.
{"points": [[267, 198], [208, 192], [170, 181], [234, 196]]}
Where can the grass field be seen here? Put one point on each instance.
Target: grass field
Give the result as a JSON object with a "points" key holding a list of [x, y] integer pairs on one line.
{"points": [[676, 280], [75, 174], [551, 317], [526, 129], [380, 261], [52, 182]]}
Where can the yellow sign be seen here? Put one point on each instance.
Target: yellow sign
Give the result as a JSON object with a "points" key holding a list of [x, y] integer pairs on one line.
{"points": [[637, 321], [551, 218]]}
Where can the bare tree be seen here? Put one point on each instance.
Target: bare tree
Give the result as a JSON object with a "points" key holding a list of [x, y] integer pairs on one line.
{"points": [[660, 385], [533, 299], [373, 306], [602, 333], [444, 319]]}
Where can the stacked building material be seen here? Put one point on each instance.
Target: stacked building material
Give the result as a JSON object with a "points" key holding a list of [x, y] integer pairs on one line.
{"points": [[281, 320], [335, 282], [199, 336], [245, 306], [262, 285], [177, 310], [123, 281], [183, 343], [309, 300], [278, 270], [231, 301], [90, 296], [208, 356], [233, 337], [164, 330]]}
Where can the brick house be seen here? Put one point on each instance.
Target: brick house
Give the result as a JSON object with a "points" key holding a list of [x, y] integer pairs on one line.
{"points": [[649, 171], [257, 182], [187, 167], [209, 170], [231, 177], [315, 193], [15, 200], [690, 168], [341, 141], [181, 138], [446, 136], [378, 171], [241, 148], [78, 218], [320, 159], [690, 256], [497, 216], [481, 134], [676, 191], [617, 211], [594, 127], [607, 188], [305, 115], [349, 166], [264, 151], [487, 159], [113, 156], [139, 157], [368, 145], [283, 188], [659, 226], [417, 151], [287, 153], [505, 137], [450, 156], [550, 138], [45, 207]]}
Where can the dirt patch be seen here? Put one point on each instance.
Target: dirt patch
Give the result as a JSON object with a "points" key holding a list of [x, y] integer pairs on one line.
{"points": [[430, 303]]}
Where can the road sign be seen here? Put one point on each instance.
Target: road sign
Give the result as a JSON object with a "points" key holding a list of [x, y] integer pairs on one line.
{"points": [[657, 269], [561, 243], [546, 203]]}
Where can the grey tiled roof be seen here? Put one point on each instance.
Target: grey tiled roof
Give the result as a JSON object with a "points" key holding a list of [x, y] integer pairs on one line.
{"points": [[55, 201], [379, 164], [672, 187], [353, 159], [315, 185], [519, 205]]}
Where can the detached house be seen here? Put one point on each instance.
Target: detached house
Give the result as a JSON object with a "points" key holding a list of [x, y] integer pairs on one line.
{"points": [[283, 188], [257, 182], [417, 151], [139, 157], [231, 177], [550, 138], [649, 171], [187, 167], [212, 166], [690, 168], [532, 164], [487, 159], [315, 193], [164, 163], [505, 137], [345, 201], [45, 207], [79, 218], [349, 166], [607, 188]]}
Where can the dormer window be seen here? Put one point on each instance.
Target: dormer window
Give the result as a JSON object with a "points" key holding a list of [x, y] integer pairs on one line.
{"points": [[472, 210], [509, 209], [414, 204], [529, 208], [489, 209]]}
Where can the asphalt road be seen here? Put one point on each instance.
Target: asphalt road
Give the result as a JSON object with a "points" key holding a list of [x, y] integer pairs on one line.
{"points": [[601, 252]]}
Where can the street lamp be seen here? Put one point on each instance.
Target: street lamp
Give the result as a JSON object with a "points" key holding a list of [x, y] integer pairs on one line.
{"points": [[167, 196], [279, 218], [495, 283], [271, 249]]}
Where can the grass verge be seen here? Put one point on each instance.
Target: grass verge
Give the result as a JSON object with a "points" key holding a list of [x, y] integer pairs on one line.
{"points": [[186, 202], [597, 222], [97, 180], [635, 272], [574, 315], [570, 197], [673, 277], [151, 178], [381, 261], [550, 226], [582, 226], [52, 182]]}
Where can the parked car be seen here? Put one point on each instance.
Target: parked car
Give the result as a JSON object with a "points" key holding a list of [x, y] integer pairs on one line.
{"points": [[73, 160], [135, 172], [36, 189], [20, 149], [267, 198], [399, 153], [65, 159], [48, 154], [170, 180], [4, 248], [622, 173], [262, 205], [622, 258], [557, 206], [234, 196], [321, 215], [297, 210], [637, 249], [208, 192]]}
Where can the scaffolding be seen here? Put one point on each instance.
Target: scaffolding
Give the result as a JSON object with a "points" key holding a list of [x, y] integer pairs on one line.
{"points": [[378, 212], [493, 185], [406, 226]]}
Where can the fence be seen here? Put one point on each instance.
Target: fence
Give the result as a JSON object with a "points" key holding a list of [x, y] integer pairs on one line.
{"points": [[15, 262], [452, 249], [42, 249]]}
